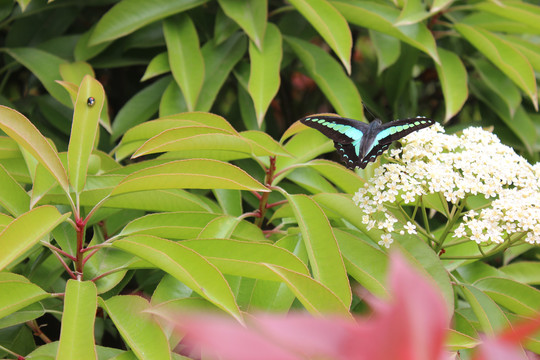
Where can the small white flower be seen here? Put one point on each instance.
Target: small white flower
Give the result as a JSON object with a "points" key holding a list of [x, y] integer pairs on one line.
{"points": [[386, 240], [410, 227]]}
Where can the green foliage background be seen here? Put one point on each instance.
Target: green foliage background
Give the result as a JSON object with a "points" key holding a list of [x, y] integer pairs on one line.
{"points": [[225, 160]]}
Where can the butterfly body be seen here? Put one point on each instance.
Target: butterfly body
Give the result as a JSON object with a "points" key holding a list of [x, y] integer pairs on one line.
{"points": [[359, 143]]}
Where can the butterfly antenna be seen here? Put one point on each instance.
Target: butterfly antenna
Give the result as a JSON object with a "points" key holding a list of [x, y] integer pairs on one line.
{"points": [[373, 116]]}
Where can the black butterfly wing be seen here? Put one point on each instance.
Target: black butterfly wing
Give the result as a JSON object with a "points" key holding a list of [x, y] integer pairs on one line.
{"points": [[339, 129], [390, 132], [347, 152]]}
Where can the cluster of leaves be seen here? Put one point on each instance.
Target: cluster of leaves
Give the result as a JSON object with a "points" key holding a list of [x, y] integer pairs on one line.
{"points": [[192, 212]]}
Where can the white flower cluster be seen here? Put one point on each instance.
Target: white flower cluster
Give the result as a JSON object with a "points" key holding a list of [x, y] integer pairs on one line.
{"points": [[458, 166]]}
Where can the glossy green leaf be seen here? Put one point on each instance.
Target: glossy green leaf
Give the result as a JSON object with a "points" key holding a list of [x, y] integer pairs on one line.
{"points": [[324, 256], [338, 88], [141, 107], [527, 48], [381, 17], [491, 317], [77, 332], [438, 5], [508, 94], [229, 200], [84, 51], [26, 231], [310, 180], [17, 293], [387, 48], [519, 11], [176, 226], [250, 15], [346, 179], [185, 265], [20, 129], [316, 298], [45, 66], [84, 130], [503, 55], [172, 100], [453, 77], [185, 57], [364, 262], [420, 253], [330, 24], [519, 122], [413, 11], [129, 15], [189, 174], [13, 197], [517, 297], [190, 138], [456, 341], [219, 60], [136, 136], [76, 71], [137, 327], [157, 66], [527, 272], [246, 259], [28, 313], [264, 77]]}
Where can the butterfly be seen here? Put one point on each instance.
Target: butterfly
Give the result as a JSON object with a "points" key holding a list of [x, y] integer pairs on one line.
{"points": [[359, 143]]}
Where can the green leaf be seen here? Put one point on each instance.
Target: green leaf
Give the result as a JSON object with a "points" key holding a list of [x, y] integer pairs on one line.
{"points": [[84, 130], [185, 57], [381, 17], [521, 12], [508, 94], [13, 197], [453, 77], [229, 200], [418, 252], [195, 138], [129, 15], [324, 256], [387, 48], [250, 15], [45, 67], [139, 108], [503, 55], [20, 129], [172, 100], [26, 231], [364, 262], [157, 66], [176, 226], [491, 317], [189, 174], [27, 313], [519, 298], [248, 259], [330, 24], [527, 272], [413, 11], [456, 341], [316, 298], [219, 60], [77, 333], [17, 293], [346, 179], [137, 327], [185, 265], [338, 88], [76, 71], [264, 77]]}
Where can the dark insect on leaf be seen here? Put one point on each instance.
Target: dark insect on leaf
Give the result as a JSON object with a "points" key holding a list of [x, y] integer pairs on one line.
{"points": [[90, 101], [359, 143]]}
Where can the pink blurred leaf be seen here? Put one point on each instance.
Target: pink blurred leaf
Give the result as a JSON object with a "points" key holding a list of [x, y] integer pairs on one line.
{"points": [[410, 327]]}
